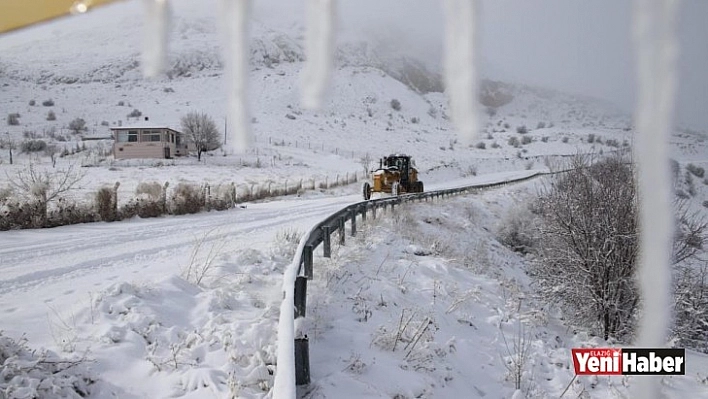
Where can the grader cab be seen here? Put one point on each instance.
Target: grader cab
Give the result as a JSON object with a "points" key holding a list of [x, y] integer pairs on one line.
{"points": [[396, 175]]}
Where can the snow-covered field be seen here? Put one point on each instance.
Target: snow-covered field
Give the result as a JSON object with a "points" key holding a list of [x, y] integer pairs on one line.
{"points": [[419, 304]]}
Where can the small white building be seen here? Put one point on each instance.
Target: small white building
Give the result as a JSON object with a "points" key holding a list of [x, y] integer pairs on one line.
{"points": [[148, 142]]}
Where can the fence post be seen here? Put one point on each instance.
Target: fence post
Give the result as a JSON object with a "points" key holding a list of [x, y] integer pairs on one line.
{"points": [[352, 215], [363, 213], [307, 258], [326, 244], [373, 212]]}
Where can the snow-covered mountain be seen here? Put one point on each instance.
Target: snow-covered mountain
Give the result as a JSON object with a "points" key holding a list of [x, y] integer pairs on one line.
{"points": [[89, 68]]}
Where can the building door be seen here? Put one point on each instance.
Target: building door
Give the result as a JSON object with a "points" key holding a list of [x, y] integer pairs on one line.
{"points": [[167, 153]]}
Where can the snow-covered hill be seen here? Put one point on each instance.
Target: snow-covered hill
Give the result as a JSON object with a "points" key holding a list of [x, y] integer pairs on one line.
{"points": [[89, 68]]}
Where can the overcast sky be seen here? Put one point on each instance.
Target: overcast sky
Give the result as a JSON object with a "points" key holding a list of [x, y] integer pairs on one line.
{"points": [[580, 46]]}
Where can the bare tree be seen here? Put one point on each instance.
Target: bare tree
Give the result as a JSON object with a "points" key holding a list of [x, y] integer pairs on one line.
{"points": [[77, 125], [366, 161], [201, 130], [10, 144], [590, 245], [45, 187], [52, 151], [590, 233]]}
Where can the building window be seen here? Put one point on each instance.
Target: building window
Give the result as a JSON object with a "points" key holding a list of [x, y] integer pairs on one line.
{"points": [[152, 135], [122, 137], [132, 136]]}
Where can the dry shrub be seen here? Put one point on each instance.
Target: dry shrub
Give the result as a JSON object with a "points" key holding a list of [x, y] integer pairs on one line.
{"points": [[187, 198], [517, 230], [5, 194], [70, 212], [104, 204], [143, 207], [18, 215]]}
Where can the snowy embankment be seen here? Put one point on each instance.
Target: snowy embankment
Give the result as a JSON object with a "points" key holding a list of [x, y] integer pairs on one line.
{"points": [[158, 307], [425, 302]]}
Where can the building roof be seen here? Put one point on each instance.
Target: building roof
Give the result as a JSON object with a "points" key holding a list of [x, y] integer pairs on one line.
{"points": [[143, 126]]}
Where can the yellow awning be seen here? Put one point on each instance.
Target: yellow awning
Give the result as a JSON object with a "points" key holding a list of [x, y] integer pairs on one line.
{"points": [[16, 14]]}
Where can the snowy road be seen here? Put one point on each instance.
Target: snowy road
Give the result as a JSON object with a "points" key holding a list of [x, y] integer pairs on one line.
{"points": [[48, 270]]}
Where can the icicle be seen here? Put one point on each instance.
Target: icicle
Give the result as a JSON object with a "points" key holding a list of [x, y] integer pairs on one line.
{"points": [[657, 50], [155, 37], [319, 51], [235, 24], [460, 68]]}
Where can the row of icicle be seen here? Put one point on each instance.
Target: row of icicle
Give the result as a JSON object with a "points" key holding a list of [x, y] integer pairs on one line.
{"points": [[655, 42]]}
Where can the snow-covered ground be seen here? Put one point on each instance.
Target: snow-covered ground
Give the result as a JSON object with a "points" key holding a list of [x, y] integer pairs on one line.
{"points": [[418, 305]]}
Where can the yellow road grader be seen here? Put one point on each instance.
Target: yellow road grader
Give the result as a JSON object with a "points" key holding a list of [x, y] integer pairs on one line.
{"points": [[395, 175]]}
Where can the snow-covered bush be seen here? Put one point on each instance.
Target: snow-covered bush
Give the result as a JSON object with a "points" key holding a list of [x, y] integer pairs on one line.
{"points": [[396, 105], [690, 327], [13, 119], [77, 125], [135, 113], [42, 187], [514, 141], [27, 373], [33, 146], [69, 212], [187, 198], [696, 170], [285, 243], [15, 214], [106, 203], [517, 230]]}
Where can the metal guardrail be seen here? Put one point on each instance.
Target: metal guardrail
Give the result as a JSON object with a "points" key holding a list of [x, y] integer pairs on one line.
{"points": [[336, 223]]}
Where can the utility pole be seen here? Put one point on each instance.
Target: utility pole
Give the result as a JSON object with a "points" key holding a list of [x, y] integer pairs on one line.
{"points": [[225, 131]]}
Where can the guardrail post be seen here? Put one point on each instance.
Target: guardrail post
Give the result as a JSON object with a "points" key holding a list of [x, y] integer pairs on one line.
{"points": [[326, 242], [373, 211], [302, 347], [342, 233], [300, 296], [302, 361], [364, 208], [307, 258], [352, 215]]}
